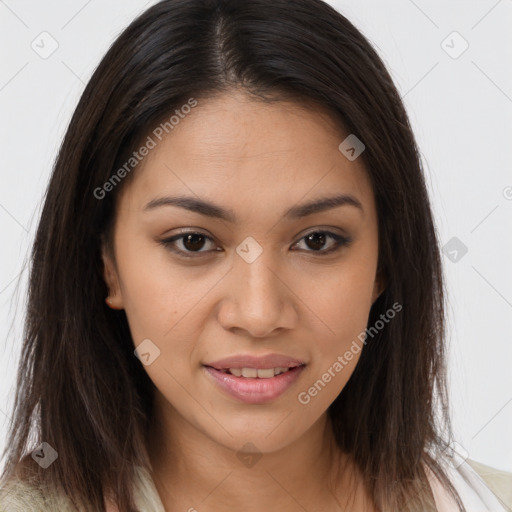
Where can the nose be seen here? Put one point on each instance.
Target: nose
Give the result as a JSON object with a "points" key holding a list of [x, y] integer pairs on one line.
{"points": [[257, 300]]}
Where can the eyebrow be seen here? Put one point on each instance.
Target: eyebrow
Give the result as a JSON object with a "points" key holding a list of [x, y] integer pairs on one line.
{"points": [[295, 212]]}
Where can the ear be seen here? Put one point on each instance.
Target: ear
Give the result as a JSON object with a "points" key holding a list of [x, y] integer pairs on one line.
{"points": [[379, 285], [114, 299]]}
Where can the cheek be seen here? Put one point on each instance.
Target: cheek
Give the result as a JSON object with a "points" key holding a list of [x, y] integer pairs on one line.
{"points": [[165, 303], [339, 300], [344, 308], [153, 291]]}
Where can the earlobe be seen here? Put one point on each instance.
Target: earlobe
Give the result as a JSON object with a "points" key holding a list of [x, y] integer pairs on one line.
{"points": [[114, 300], [379, 286]]}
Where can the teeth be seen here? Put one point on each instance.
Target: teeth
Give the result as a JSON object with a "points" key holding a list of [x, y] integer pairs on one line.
{"points": [[249, 372], [264, 373]]}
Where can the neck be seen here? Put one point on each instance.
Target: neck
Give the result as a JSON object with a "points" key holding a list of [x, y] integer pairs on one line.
{"points": [[192, 471]]}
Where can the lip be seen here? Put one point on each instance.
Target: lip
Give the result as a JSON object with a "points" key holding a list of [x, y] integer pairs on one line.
{"points": [[254, 390], [261, 362]]}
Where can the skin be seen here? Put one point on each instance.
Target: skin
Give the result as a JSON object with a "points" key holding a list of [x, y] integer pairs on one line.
{"points": [[256, 159]]}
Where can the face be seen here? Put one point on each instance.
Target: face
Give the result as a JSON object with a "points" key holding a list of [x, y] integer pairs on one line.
{"points": [[246, 267]]}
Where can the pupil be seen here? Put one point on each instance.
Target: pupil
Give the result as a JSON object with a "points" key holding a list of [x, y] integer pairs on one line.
{"points": [[190, 242], [318, 240]]}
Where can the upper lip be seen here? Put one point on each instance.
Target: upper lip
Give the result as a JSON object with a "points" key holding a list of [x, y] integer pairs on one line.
{"points": [[261, 362]]}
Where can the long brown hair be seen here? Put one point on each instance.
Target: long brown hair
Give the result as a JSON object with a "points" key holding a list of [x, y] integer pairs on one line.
{"points": [[79, 386]]}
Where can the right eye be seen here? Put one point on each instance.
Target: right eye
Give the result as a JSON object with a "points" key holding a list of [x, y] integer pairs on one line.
{"points": [[190, 242]]}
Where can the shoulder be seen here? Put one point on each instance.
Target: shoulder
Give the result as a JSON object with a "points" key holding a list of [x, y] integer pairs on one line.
{"points": [[481, 488], [146, 494], [22, 496], [21, 492], [24, 492], [498, 481]]}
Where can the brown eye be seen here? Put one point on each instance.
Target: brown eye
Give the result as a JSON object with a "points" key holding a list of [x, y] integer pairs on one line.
{"points": [[193, 242], [186, 244], [316, 241]]}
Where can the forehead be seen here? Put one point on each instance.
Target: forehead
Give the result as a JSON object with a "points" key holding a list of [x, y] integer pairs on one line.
{"points": [[237, 149]]}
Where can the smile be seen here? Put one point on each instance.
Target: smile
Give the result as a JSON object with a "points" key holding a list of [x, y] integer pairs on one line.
{"points": [[254, 385], [260, 373]]}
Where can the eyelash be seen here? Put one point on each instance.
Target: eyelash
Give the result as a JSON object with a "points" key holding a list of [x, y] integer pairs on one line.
{"points": [[168, 243]]}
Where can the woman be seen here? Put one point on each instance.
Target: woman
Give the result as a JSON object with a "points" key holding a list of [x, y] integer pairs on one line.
{"points": [[236, 294]]}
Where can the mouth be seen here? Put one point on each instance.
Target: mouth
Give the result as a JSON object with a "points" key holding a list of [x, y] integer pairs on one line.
{"points": [[254, 385], [256, 373]]}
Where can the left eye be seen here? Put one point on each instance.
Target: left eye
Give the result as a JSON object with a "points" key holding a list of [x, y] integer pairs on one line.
{"points": [[194, 242], [317, 239]]}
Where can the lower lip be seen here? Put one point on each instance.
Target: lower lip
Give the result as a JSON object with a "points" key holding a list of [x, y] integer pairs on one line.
{"points": [[255, 390]]}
